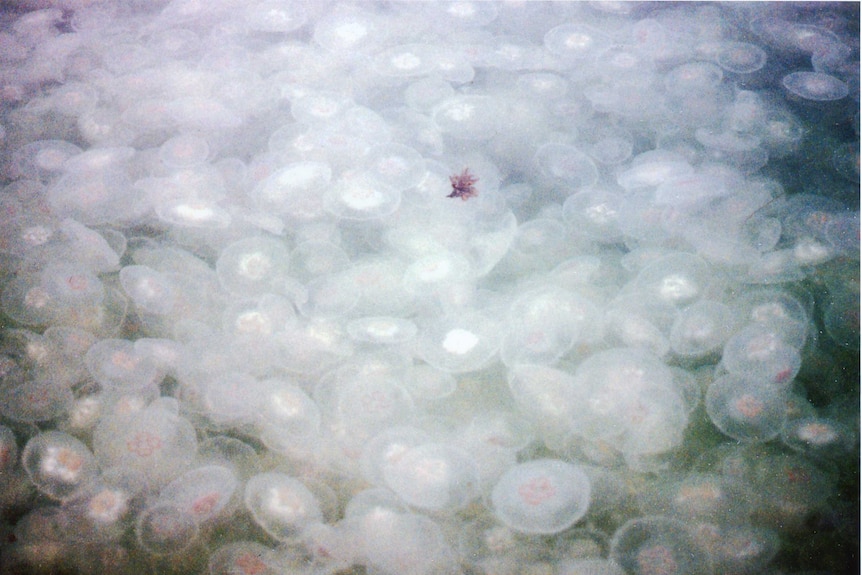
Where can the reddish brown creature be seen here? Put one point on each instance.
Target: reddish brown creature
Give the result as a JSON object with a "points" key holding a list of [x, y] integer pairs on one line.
{"points": [[462, 185]]}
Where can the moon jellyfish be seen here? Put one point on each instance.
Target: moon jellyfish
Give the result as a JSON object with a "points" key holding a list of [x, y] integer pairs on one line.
{"points": [[244, 558], [165, 530], [201, 493], [459, 343], [542, 496], [361, 196], [59, 465], [745, 408], [761, 352], [702, 329], [253, 266], [657, 545], [815, 86], [566, 165], [741, 57], [433, 476], [281, 505]]}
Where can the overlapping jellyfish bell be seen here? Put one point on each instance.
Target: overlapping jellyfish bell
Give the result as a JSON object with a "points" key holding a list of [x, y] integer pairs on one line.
{"points": [[164, 530], [814, 87], [154, 441], [394, 543], [253, 266], [281, 505], [544, 323], [702, 328], [244, 557], [658, 544], [650, 169], [545, 396], [678, 279], [119, 368], [746, 408], [42, 160], [361, 196], [542, 496], [289, 420], [202, 493], [95, 195], [294, 190], [459, 342], [761, 352], [59, 465], [433, 476], [633, 320], [365, 406], [630, 399]]}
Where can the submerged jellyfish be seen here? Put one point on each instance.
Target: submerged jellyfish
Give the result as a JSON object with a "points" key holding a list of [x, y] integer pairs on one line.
{"points": [[815, 86], [281, 505], [542, 496]]}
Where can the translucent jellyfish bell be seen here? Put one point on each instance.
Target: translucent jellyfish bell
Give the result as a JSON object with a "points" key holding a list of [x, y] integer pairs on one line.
{"points": [[542, 496], [382, 330], [575, 41], [740, 57], [202, 493], [433, 476], [244, 558], [459, 343], [154, 441], [678, 279], [164, 530], [404, 544], [566, 165], [59, 465], [651, 168], [745, 408], [595, 213], [253, 266], [815, 86], [657, 545], [118, 366], [281, 505], [272, 16], [42, 160], [543, 324], [150, 290], [295, 189], [286, 415], [761, 352], [361, 196], [468, 117], [184, 151], [702, 328]]}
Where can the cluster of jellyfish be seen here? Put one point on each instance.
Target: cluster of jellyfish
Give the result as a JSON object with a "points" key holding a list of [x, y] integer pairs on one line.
{"points": [[248, 324]]}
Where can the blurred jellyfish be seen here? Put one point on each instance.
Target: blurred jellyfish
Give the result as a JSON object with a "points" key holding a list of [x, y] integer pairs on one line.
{"points": [[542, 496]]}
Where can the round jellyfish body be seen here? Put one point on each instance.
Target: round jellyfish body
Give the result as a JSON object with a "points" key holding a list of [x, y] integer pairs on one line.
{"points": [[746, 409], [741, 57], [201, 493], [657, 545], [164, 529], [701, 329], [543, 496], [59, 465], [253, 266], [281, 505], [815, 86], [433, 476], [459, 343], [761, 352]]}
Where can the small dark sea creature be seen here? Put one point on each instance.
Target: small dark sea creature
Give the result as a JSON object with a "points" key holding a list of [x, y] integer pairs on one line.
{"points": [[462, 185]]}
